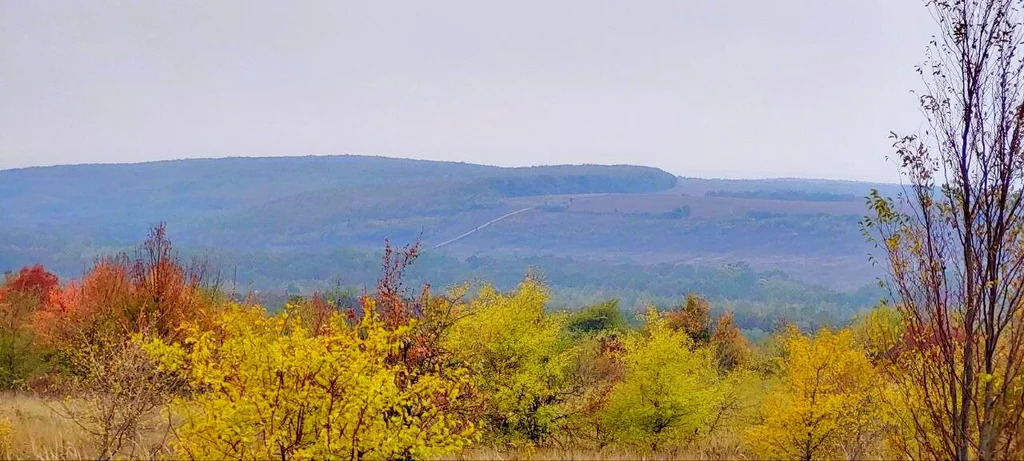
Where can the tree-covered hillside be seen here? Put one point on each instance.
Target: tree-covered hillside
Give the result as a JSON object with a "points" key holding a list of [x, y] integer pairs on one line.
{"points": [[296, 224]]}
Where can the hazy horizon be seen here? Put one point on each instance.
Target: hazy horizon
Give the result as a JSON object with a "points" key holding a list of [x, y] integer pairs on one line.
{"points": [[699, 89], [452, 161]]}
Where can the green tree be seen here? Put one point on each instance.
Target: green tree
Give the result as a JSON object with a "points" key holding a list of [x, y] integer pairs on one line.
{"points": [[601, 317]]}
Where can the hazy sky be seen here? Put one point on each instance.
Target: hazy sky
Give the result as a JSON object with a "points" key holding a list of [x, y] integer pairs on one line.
{"points": [[700, 88]]}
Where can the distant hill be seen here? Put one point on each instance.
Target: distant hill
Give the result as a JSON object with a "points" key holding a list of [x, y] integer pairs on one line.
{"points": [[284, 198], [270, 219]]}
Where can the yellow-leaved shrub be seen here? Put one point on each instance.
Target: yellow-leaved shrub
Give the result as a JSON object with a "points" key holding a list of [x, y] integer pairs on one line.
{"points": [[827, 404], [669, 389], [518, 358], [266, 387]]}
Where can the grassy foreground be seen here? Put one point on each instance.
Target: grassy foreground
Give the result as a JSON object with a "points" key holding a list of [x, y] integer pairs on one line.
{"points": [[37, 428]]}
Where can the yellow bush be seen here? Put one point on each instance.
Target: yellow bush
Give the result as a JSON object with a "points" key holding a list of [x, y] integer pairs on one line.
{"points": [[827, 405], [264, 387], [517, 356], [669, 389]]}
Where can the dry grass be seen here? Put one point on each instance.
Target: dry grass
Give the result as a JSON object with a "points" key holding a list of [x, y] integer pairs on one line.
{"points": [[555, 454], [38, 431], [41, 430]]}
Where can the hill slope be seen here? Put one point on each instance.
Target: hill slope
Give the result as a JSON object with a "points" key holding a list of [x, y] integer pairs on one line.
{"points": [[279, 220]]}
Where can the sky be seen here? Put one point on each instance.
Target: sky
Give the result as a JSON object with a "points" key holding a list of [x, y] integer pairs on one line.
{"points": [[707, 88]]}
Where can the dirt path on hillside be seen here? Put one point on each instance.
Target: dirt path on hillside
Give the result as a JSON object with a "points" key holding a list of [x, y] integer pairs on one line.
{"points": [[488, 223]]}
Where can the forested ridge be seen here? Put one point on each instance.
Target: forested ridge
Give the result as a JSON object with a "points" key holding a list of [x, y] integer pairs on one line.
{"points": [[295, 226], [251, 209]]}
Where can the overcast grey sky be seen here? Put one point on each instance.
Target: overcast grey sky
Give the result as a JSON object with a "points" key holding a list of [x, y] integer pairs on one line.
{"points": [[700, 88]]}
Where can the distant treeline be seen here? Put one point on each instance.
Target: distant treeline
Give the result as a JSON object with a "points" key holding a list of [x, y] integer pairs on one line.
{"points": [[790, 195], [627, 181]]}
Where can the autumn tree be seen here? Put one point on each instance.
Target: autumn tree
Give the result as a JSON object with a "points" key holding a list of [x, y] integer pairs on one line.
{"points": [[149, 291], [953, 242], [95, 326], [266, 387], [393, 304], [23, 294], [730, 347], [880, 333], [827, 404], [595, 368], [668, 391], [692, 317], [517, 355]]}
